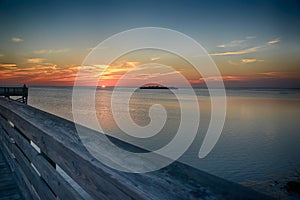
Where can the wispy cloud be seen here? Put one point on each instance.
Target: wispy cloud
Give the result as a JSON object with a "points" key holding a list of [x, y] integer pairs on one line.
{"points": [[221, 46], [277, 74], [35, 60], [250, 60], [1, 55], [275, 41], [236, 43], [40, 51], [155, 58], [8, 64], [132, 64], [101, 66], [251, 79], [240, 52], [35, 73], [17, 39], [250, 37], [233, 63], [233, 43], [217, 79], [51, 51]]}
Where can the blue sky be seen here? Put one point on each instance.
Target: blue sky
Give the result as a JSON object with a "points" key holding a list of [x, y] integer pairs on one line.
{"points": [[62, 32]]}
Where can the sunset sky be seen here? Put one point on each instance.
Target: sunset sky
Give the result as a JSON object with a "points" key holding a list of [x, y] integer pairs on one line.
{"points": [[254, 43]]}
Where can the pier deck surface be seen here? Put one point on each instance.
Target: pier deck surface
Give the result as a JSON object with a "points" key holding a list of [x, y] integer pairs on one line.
{"points": [[8, 186]]}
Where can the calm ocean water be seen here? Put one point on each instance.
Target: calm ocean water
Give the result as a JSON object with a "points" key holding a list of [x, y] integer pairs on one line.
{"points": [[260, 139]]}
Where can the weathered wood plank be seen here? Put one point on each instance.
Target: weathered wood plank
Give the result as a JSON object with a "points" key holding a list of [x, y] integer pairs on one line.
{"points": [[22, 162], [7, 152], [57, 138], [24, 184], [8, 186], [39, 184], [57, 183]]}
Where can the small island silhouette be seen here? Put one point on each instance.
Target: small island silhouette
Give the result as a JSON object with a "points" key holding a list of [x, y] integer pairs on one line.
{"points": [[156, 86]]}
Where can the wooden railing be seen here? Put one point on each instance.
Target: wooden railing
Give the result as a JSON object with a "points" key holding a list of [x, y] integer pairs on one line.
{"points": [[39, 145], [21, 92]]}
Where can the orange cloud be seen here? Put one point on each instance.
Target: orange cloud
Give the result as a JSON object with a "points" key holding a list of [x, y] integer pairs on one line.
{"points": [[280, 74], [38, 74], [8, 64], [223, 78], [132, 64]]}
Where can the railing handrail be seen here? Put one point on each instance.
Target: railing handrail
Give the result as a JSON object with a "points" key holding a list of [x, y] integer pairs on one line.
{"points": [[14, 91], [60, 146]]}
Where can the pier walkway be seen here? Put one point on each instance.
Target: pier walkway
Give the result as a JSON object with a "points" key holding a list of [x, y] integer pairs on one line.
{"points": [[8, 185]]}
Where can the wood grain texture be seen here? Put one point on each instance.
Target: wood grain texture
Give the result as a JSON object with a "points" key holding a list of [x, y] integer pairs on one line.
{"points": [[8, 185], [57, 183]]}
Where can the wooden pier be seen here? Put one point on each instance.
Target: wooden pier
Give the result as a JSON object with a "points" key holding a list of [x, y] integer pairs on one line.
{"points": [[8, 185], [20, 92], [49, 161]]}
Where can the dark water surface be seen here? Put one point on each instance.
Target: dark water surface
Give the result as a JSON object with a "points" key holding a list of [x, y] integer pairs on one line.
{"points": [[260, 139]]}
